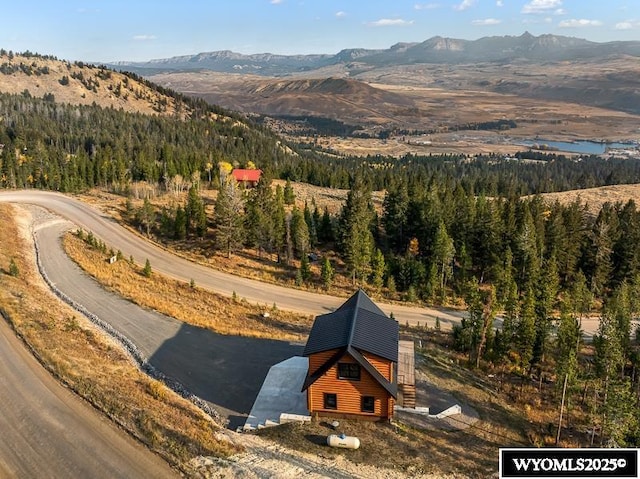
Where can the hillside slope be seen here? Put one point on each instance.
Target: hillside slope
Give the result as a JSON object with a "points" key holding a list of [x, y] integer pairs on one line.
{"points": [[348, 100], [83, 84]]}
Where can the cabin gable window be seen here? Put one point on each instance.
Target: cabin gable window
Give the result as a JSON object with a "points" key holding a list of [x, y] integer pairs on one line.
{"points": [[349, 371]]}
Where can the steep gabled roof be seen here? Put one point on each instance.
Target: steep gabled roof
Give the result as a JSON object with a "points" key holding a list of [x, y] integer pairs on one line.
{"points": [[355, 327], [358, 323]]}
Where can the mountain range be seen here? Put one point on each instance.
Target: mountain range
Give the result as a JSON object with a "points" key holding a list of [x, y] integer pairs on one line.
{"points": [[435, 50]]}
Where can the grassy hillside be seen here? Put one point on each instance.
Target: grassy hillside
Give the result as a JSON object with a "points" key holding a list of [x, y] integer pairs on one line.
{"points": [[81, 83], [595, 198]]}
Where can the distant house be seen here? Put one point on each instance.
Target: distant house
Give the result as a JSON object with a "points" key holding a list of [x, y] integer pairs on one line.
{"points": [[353, 353], [249, 178]]}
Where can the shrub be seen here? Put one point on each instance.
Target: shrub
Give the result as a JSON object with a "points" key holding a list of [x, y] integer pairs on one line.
{"points": [[13, 268], [146, 271]]}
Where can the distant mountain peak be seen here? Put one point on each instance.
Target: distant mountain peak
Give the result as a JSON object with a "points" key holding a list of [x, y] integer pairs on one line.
{"points": [[437, 49]]}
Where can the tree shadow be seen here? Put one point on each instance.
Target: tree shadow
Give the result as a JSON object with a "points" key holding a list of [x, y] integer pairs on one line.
{"points": [[226, 371]]}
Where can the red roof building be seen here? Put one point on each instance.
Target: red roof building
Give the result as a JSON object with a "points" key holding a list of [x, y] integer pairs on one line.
{"points": [[248, 177]]}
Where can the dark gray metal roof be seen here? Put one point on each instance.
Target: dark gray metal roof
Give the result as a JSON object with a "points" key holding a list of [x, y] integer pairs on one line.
{"points": [[359, 324]]}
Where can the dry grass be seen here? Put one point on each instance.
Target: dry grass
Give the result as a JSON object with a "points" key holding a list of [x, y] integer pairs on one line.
{"points": [[97, 369], [189, 304], [595, 198]]}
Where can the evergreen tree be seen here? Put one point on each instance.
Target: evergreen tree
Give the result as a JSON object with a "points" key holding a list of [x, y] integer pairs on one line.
{"points": [[546, 294], [443, 254], [146, 271], [526, 329], [356, 239], [327, 273], [325, 231], [598, 253], [305, 269], [196, 219], [511, 314], [580, 297], [473, 299], [394, 217], [311, 225], [378, 269], [180, 224], [289, 194], [299, 233], [609, 360], [228, 217], [279, 222], [261, 217], [527, 258], [568, 339], [315, 218]]}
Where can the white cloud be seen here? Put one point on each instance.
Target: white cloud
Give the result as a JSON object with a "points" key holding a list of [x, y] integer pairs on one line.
{"points": [[627, 25], [341, 14], [486, 21], [624, 26], [573, 23], [390, 22], [276, 2], [426, 6], [560, 11], [464, 5], [541, 6], [499, 3], [144, 37]]}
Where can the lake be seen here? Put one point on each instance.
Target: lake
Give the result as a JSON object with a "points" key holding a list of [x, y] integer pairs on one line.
{"points": [[579, 146]]}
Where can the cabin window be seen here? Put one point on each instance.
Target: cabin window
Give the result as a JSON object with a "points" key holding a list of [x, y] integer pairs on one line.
{"points": [[368, 404], [330, 401], [349, 371]]}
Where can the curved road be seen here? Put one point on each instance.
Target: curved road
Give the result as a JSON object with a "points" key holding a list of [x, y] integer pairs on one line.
{"points": [[167, 263], [226, 371], [48, 432], [171, 265]]}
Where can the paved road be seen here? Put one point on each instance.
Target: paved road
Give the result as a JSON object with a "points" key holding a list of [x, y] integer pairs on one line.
{"points": [[48, 432], [226, 371], [285, 298]]}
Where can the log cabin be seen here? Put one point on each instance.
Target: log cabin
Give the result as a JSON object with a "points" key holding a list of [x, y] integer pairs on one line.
{"points": [[353, 354]]}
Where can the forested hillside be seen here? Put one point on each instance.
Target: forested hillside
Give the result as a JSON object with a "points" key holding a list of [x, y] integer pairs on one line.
{"points": [[74, 147], [452, 229]]}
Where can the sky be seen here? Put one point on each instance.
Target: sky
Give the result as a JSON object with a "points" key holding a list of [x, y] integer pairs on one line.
{"points": [[139, 30]]}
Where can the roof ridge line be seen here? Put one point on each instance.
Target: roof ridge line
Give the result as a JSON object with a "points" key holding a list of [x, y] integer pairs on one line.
{"points": [[355, 317]]}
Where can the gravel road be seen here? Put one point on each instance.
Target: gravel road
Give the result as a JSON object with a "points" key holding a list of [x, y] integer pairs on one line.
{"points": [[48, 432], [171, 265], [226, 371]]}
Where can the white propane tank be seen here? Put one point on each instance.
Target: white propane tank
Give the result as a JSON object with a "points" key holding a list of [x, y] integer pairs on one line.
{"points": [[345, 442]]}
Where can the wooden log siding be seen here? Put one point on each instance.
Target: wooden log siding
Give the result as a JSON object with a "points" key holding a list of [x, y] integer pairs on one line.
{"points": [[349, 392]]}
